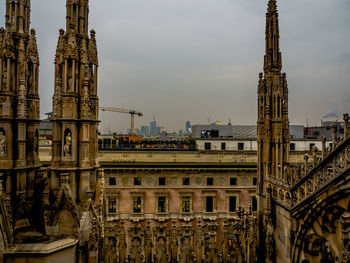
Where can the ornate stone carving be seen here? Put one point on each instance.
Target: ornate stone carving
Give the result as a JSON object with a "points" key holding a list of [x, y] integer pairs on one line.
{"points": [[161, 234], [211, 251], [94, 237], [136, 252], [269, 240], [174, 242], [345, 226], [93, 48], [2, 143], [122, 243]]}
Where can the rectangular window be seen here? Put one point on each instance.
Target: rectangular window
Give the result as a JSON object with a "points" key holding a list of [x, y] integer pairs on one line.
{"points": [[137, 204], [137, 180], [207, 146], [255, 181], [209, 204], [254, 203], [205, 134], [112, 181], [292, 146], [233, 181], [161, 204], [223, 146], [240, 146], [232, 203], [186, 181], [112, 204], [161, 181], [186, 204], [210, 180]]}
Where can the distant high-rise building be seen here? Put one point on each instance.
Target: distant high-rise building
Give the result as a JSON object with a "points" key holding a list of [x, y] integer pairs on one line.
{"points": [[153, 127], [188, 127], [158, 130], [144, 130]]}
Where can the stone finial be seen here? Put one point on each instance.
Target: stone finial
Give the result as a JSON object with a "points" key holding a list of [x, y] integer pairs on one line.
{"points": [[346, 124], [89, 194], [272, 6], [285, 173], [334, 135], [61, 32], [324, 148], [306, 159], [92, 33], [314, 151]]}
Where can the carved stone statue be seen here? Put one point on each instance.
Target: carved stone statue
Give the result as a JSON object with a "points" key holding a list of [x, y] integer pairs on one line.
{"points": [[211, 251], [4, 77], [174, 243], [136, 255], [70, 82], [148, 243], [252, 237], [2, 143], [270, 240], [186, 254], [122, 247], [68, 145], [199, 247], [161, 251], [224, 245]]}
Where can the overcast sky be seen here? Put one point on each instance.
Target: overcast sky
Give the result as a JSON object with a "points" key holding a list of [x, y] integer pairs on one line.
{"points": [[199, 59]]}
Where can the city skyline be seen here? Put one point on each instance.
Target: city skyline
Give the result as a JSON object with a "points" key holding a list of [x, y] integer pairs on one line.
{"points": [[194, 60]]}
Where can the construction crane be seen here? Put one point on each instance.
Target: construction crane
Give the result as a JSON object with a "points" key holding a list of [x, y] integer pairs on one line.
{"points": [[131, 112]]}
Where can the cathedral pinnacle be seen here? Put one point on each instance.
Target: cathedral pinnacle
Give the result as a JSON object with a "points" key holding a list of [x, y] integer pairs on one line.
{"points": [[273, 58], [77, 16], [272, 6], [18, 16]]}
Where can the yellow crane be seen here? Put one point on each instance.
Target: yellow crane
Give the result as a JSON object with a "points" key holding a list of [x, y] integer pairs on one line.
{"points": [[131, 112]]}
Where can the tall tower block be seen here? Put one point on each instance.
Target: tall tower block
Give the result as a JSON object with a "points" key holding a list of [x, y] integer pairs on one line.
{"points": [[19, 109], [272, 123], [75, 105]]}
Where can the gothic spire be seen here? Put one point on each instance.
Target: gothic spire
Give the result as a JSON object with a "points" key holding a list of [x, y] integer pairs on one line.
{"points": [[77, 16], [273, 58], [18, 16], [272, 6]]}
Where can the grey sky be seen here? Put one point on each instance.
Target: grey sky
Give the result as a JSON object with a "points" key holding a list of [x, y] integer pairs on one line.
{"points": [[199, 59]]}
